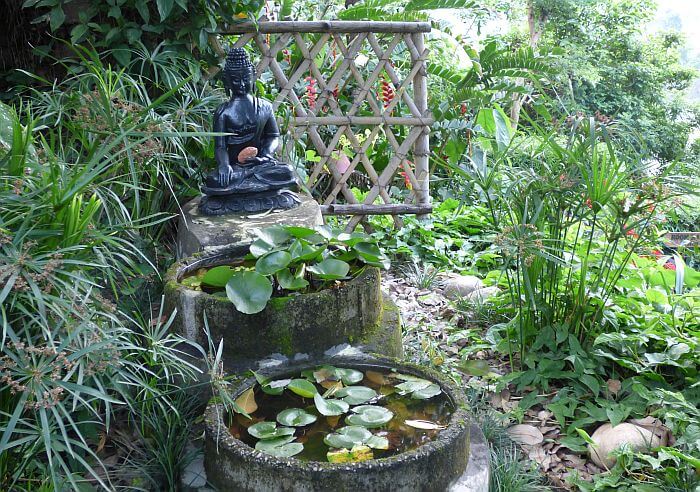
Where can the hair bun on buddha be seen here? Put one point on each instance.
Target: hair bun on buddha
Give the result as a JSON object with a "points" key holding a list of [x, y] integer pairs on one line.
{"points": [[238, 60]]}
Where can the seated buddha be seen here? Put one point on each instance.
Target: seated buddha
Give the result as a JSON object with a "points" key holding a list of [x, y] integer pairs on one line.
{"points": [[248, 178]]}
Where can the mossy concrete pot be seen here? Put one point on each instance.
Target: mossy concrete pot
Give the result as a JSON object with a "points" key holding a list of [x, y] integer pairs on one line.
{"points": [[434, 466], [353, 313]]}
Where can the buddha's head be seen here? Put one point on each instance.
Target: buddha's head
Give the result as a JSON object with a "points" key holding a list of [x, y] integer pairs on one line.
{"points": [[239, 72]]}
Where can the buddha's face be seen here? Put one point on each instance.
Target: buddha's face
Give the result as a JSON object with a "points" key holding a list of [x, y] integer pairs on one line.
{"points": [[241, 83]]}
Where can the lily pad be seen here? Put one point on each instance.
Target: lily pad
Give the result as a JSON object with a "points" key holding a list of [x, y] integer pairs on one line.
{"points": [[348, 376], [302, 387], [273, 262], [377, 442], [290, 282], [269, 430], [330, 408], [427, 392], [218, 276], [356, 395], [348, 437], [295, 417], [246, 402], [411, 386], [249, 291], [369, 416], [330, 269], [280, 447]]}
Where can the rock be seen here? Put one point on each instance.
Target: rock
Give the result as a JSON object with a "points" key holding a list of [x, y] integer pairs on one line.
{"points": [[480, 295], [461, 286], [607, 438]]}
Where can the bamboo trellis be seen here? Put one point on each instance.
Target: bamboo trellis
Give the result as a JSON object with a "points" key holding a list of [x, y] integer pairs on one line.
{"points": [[324, 121]]}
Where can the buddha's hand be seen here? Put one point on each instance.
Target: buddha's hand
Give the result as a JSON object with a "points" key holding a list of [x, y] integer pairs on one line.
{"points": [[225, 174], [254, 161]]}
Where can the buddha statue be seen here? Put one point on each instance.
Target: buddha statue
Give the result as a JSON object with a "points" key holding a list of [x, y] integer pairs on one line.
{"points": [[248, 178]]}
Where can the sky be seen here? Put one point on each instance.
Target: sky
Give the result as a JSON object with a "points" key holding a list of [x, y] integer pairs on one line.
{"points": [[683, 15]]}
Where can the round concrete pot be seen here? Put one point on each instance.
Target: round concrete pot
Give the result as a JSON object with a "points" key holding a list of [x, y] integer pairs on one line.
{"points": [[354, 313], [232, 465]]}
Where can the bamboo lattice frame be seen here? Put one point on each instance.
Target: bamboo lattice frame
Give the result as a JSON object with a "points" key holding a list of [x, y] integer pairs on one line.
{"points": [[325, 122]]}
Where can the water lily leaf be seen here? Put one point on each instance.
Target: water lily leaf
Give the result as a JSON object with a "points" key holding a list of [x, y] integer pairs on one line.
{"points": [[427, 392], [354, 455], [299, 232], [273, 387], [192, 282], [295, 417], [269, 430], [273, 262], [246, 401], [218, 276], [377, 442], [347, 437], [274, 235], [348, 376], [424, 424], [356, 395], [411, 386], [330, 407], [372, 255], [281, 447], [310, 253], [302, 387], [290, 282], [369, 416], [405, 377], [249, 291], [330, 269]]}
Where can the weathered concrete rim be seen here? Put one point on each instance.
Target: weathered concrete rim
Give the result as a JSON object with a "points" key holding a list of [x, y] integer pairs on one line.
{"points": [[459, 422]]}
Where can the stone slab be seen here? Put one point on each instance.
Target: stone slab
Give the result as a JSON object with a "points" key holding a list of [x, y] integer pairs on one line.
{"points": [[477, 475], [197, 232]]}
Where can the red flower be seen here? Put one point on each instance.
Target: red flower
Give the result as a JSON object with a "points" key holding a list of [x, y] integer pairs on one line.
{"points": [[669, 265], [589, 203], [657, 253], [632, 233], [311, 92], [387, 92]]}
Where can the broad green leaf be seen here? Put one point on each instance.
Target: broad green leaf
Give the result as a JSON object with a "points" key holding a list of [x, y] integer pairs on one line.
{"points": [[354, 455], [356, 395], [427, 392], [299, 232], [372, 255], [475, 367], [377, 442], [279, 448], [273, 262], [164, 8], [411, 386], [275, 387], [348, 437], [218, 276], [275, 235], [348, 376], [303, 388], [269, 430], [295, 417], [249, 291], [330, 269], [330, 407], [290, 282], [369, 416]]}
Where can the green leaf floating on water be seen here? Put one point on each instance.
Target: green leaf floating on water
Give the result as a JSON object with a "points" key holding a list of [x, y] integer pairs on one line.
{"points": [[330, 408], [269, 430], [330, 269], [249, 291], [218, 276], [295, 417], [348, 376], [302, 387], [420, 389], [270, 387], [354, 455], [427, 392], [377, 442], [273, 262], [347, 437], [282, 447], [356, 395], [369, 416]]}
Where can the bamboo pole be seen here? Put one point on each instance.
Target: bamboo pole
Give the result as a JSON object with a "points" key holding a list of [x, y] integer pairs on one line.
{"points": [[279, 27], [369, 209], [421, 148]]}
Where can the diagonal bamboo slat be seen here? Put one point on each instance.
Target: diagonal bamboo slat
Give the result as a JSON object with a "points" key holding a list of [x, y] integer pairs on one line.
{"points": [[351, 58]]}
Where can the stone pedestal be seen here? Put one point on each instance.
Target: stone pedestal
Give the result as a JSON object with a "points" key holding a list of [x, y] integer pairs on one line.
{"points": [[211, 234]]}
